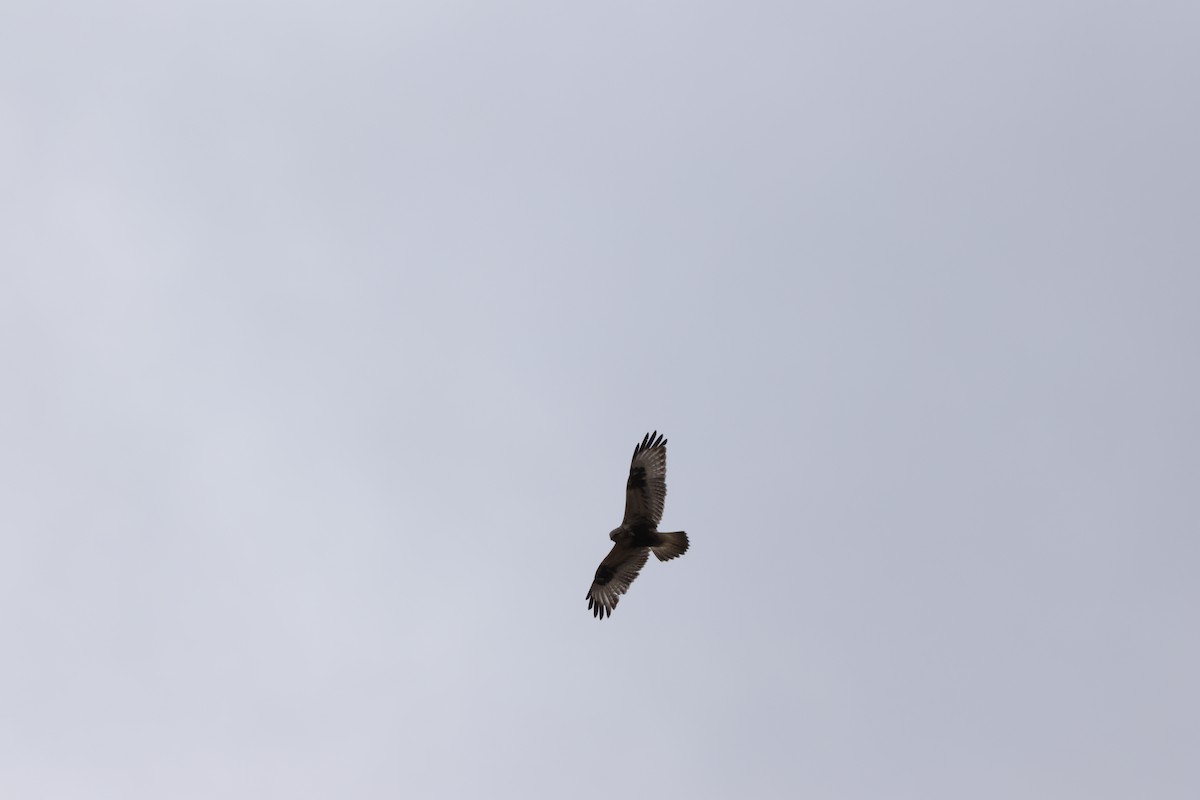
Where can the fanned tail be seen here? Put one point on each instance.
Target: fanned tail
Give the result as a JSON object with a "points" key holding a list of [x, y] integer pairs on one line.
{"points": [[671, 545]]}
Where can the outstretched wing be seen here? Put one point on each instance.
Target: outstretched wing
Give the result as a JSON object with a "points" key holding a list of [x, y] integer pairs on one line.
{"points": [[646, 488], [616, 572]]}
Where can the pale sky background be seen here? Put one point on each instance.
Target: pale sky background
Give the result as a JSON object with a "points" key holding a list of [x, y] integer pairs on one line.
{"points": [[327, 331]]}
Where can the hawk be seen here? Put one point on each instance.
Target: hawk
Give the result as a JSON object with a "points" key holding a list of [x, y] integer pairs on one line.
{"points": [[638, 535]]}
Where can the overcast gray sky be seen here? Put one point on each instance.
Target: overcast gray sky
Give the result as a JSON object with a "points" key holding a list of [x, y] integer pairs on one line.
{"points": [[327, 331]]}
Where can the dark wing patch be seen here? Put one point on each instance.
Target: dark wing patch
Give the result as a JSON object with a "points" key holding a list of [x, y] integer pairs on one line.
{"points": [[637, 479], [646, 489], [613, 576]]}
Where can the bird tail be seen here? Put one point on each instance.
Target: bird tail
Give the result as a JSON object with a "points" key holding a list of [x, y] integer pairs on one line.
{"points": [[670, 545]]}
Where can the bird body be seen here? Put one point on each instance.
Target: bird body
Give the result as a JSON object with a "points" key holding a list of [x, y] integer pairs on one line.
{"points": [[637, 536]]}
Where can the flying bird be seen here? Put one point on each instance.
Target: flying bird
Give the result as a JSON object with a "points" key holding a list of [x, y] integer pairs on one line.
{"points": [[638, 535]]}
